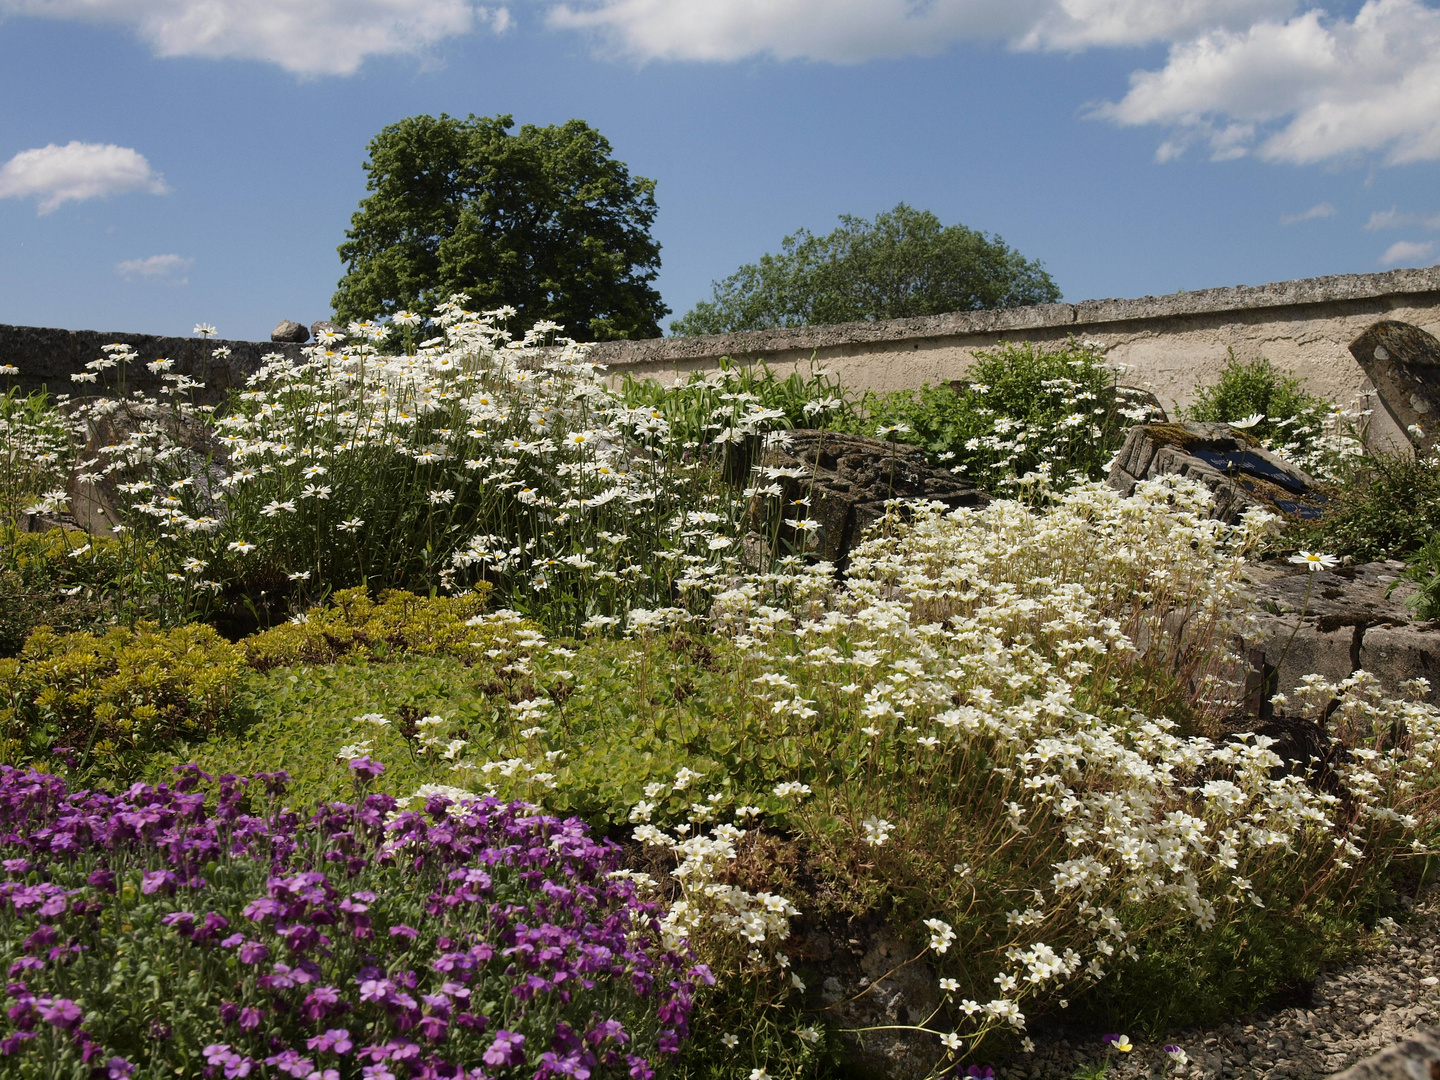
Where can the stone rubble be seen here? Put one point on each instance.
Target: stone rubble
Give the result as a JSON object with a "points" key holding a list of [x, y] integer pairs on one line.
{"points": [[1354, 1013]]}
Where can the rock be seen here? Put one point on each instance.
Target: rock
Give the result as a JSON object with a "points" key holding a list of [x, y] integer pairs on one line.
{"points": [[847, 479], [321, 325], [869, 984], [1396, 653], [95, 502], [1351, 620], [1417, 1058], [290, 331], [1232, 464], [1403, 364]]}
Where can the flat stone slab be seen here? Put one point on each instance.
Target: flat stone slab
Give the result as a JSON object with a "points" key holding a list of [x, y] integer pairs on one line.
{"points": [[1233, 465], [1333, 623]]}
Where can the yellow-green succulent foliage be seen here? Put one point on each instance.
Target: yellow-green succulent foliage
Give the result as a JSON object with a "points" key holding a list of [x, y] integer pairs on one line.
{"points": [[353, 625], [116, 698]]}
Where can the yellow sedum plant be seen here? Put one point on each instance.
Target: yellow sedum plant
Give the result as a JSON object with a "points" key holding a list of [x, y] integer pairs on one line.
{"points": [[109, 701], [353, 625]]}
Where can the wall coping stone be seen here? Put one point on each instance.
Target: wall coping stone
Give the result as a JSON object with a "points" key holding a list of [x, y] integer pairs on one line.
{"points": [[1076, 317]]}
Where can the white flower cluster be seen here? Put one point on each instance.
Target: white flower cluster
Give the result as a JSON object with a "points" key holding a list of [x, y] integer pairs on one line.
{"points": [[990, 646]]}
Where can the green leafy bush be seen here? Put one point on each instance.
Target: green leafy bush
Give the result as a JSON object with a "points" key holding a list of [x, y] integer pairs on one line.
{"points": [[1291, 418], [1389, 510], [353, 625], [1019, 409], [112, 701], [1424, 569]]}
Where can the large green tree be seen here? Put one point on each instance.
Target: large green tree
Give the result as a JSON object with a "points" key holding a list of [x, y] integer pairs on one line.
{"points": [[902, 264], [544, 220]]}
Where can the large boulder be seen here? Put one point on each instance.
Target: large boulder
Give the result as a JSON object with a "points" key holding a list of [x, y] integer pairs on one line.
{"points": [[290, 331], [1417, 1058], [96, 501], [1241, 473], [847, 480], [1333, 623], [1403, 364]]}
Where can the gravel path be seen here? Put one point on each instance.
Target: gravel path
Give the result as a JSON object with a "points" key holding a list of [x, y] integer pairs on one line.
{"points": [[1355, 1011]]}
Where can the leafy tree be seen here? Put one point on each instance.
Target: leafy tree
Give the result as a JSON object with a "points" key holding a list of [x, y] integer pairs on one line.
{"points": [[544, 220], [902, 264]]}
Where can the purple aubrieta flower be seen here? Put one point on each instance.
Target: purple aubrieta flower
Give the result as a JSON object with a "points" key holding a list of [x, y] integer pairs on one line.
{"points": [[117, 1068], [506, 1050], [334, 1041], [980, 1072], [61, 1013], [157, 880], [364, 768]]}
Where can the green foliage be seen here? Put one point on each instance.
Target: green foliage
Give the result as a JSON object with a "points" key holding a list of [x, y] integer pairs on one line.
{"points": [[1020, 408], [352, 625], [1424, 570], [903, 264], [298, 717], [1292, 418], [1250, 960], [35, 452], [115, 700], [1389, 510], [544, 220], [59, 578]]}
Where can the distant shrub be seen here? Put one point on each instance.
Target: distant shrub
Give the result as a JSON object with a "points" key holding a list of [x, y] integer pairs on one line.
{"points": [[353, 625], [1291, 418], [110, 701]]}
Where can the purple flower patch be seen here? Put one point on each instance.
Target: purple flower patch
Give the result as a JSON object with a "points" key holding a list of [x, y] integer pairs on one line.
{"points": [[353, 917]]}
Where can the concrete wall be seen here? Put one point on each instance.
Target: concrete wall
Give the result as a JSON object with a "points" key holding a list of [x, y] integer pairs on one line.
{"points": [[1172, 344]]}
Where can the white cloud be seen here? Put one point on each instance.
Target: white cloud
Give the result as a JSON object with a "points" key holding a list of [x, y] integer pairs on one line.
{"points": [[1394, 219], [1319, 210], [307, 37], [849, 31], [1407, 251], [55, 175], [165, 267], [1304, 90]]}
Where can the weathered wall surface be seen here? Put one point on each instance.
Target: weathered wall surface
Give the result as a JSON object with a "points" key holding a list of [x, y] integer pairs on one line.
{"points": [[1172, 344], [47, 358]]}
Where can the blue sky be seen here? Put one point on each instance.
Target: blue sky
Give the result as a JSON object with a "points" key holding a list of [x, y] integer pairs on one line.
{"points": [[164, 162]]}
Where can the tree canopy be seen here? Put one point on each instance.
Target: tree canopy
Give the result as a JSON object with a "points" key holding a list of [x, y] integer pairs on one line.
{"points": [[902, 264], [544, 220]]}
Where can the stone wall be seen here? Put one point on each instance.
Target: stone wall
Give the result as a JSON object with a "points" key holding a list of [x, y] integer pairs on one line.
{"points": [[1172, 344], [47, 358]]}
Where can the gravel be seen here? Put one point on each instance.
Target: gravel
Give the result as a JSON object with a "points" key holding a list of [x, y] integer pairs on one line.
{"points": [[1355, 1012]]}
